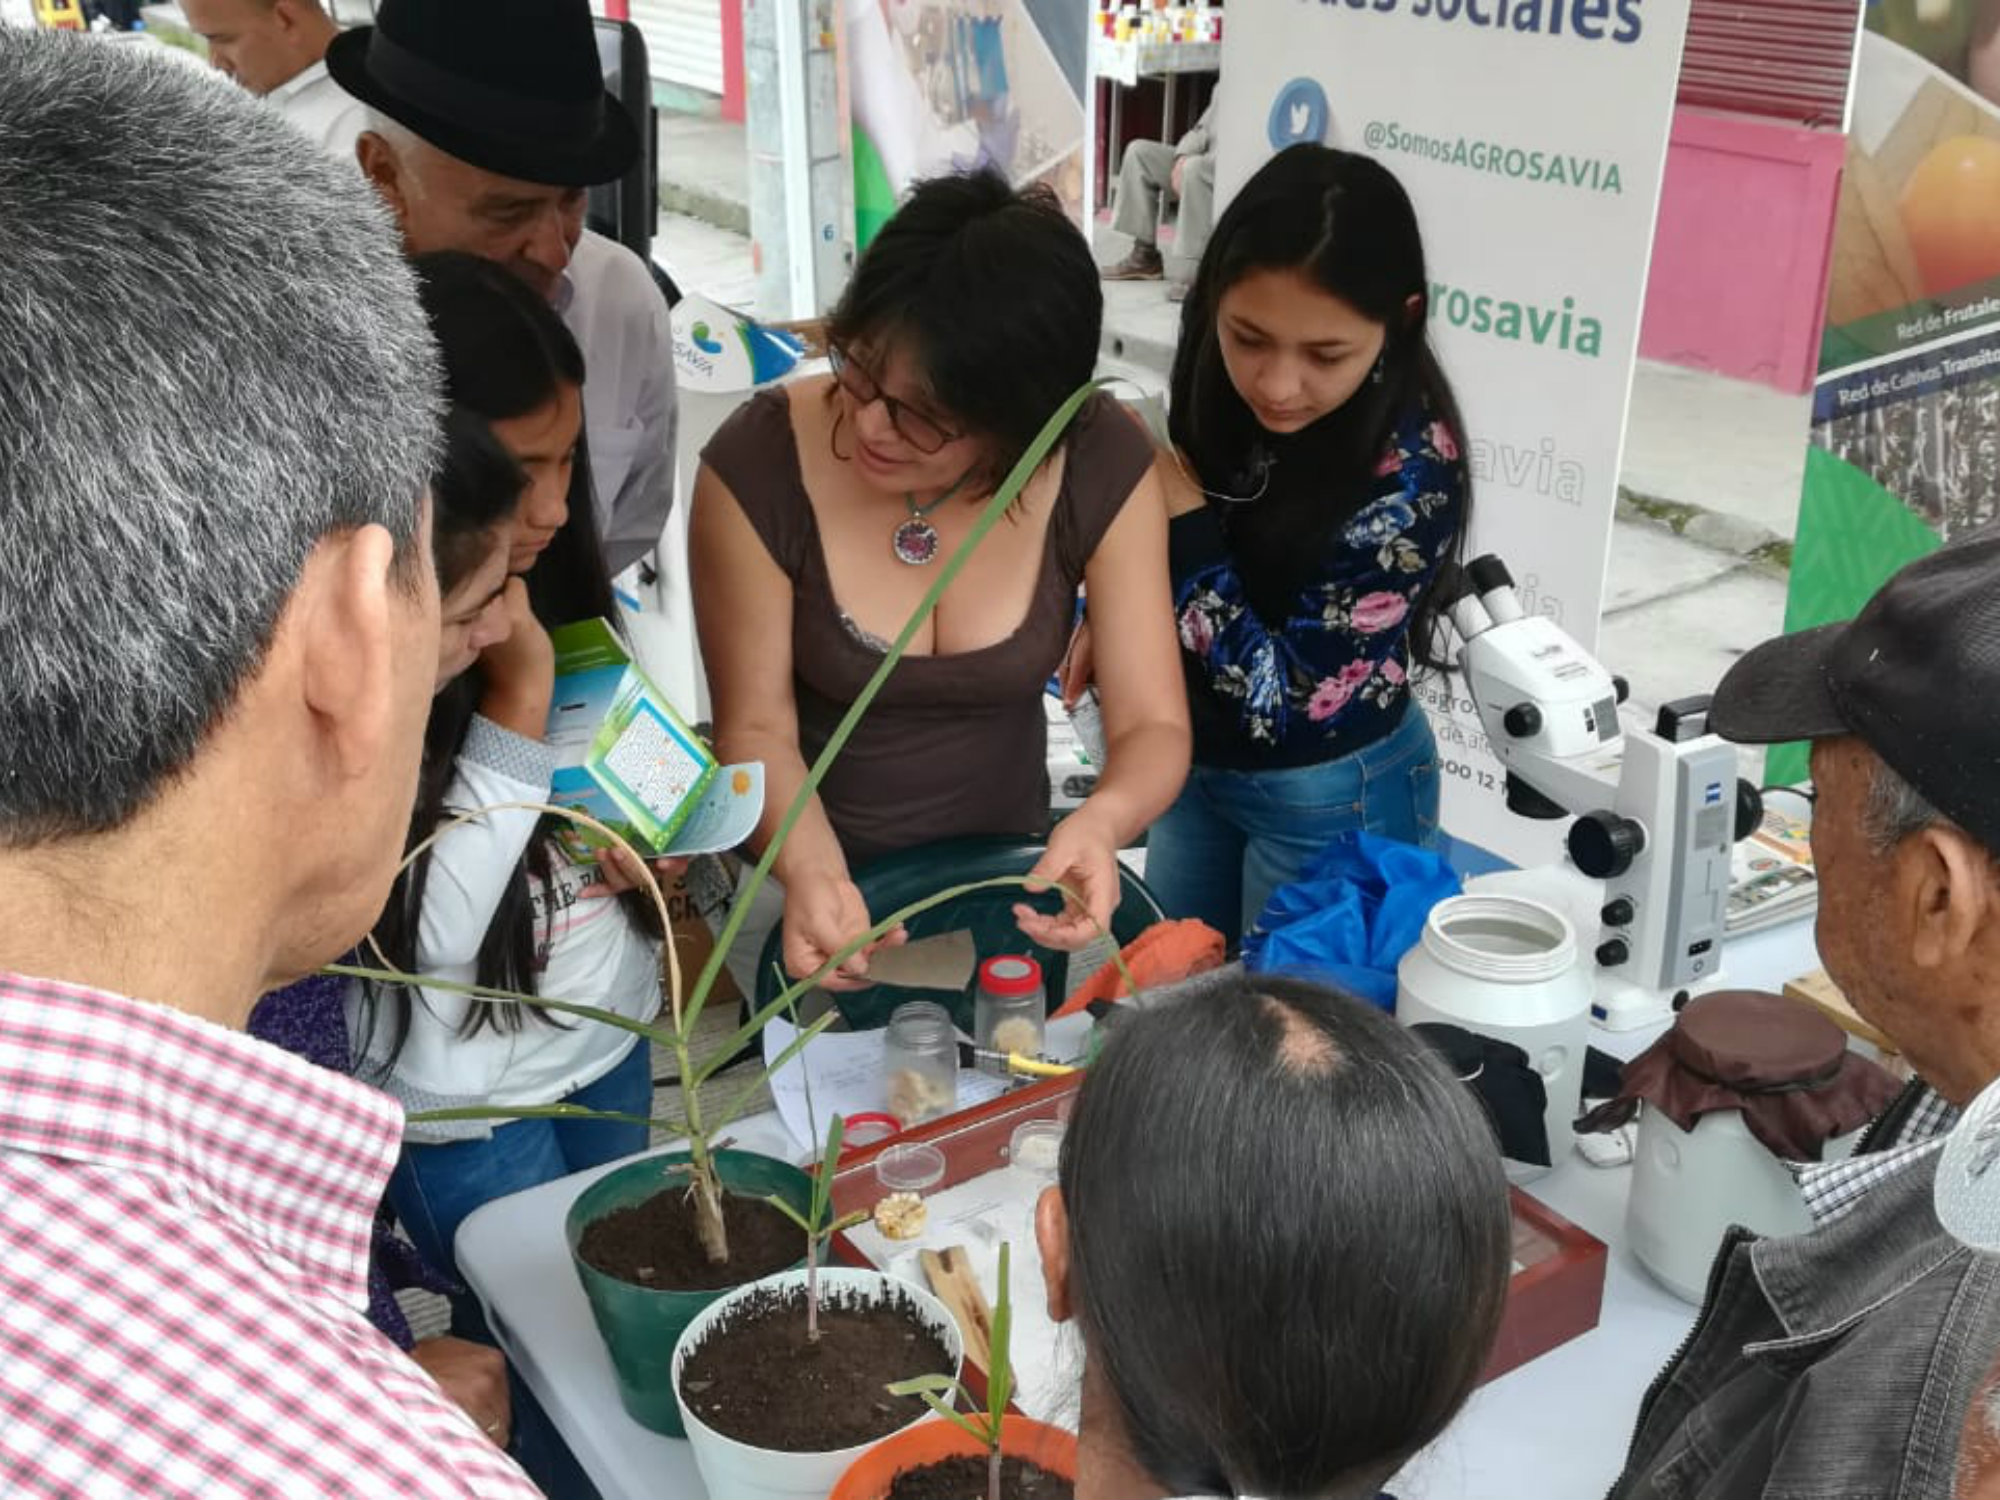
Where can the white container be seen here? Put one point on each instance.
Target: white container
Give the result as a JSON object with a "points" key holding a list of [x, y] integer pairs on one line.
{"points": [[1689, 1186], [736, 1471], [1506, 967]]}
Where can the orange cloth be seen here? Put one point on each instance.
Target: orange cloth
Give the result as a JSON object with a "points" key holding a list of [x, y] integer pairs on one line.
{"points": [[1162, 954]]}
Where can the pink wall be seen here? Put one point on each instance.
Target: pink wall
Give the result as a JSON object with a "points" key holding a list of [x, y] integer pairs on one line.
{"points": [[1738, 281]]}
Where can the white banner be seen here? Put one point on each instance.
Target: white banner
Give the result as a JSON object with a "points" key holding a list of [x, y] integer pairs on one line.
{"points": [[1531, 135]]}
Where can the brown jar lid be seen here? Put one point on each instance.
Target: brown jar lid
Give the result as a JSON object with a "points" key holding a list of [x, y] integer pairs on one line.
{"points": [[1758, 1042]]}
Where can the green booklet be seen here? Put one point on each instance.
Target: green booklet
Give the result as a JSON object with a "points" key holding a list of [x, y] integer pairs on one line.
{"points": [[627, 759]]}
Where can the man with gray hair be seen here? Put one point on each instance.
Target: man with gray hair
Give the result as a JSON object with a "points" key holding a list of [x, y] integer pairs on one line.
{"points": [[219, 624], [1843, 1362], [486, 125]]}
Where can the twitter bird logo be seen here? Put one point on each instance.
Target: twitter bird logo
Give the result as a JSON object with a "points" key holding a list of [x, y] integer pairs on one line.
{"points": [[1299, 114]]}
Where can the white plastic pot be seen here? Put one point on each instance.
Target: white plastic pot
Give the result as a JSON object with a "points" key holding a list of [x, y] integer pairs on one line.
{"points": [[737, 1471]]}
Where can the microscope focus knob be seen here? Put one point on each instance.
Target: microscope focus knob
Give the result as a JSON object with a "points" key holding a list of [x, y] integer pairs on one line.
{"points": [[1523, 721], [1612, 953], [1749, 809], [1603, 844], [1618, 912]]}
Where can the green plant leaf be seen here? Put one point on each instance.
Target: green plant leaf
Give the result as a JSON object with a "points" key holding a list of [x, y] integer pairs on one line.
{"points": [[749, 1090], [739, 1039], [791, 1213], [928, 1385], [1004, 497], [847, 1221], [941, 1394], [661, 1034], [999, 1354], [822, 1194], [541, 1112], [951, 1414]]}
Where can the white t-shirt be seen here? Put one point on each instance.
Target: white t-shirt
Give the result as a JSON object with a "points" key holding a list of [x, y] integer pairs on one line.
{"points": [[325, 111], [588, 951]]}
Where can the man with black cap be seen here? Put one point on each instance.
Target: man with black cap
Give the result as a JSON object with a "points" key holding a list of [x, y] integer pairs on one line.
{"points": [[487, 124], [1842, 1362]]}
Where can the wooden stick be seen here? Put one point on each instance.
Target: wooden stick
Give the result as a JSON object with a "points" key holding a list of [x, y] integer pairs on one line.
{"points": [[951, 1277]]}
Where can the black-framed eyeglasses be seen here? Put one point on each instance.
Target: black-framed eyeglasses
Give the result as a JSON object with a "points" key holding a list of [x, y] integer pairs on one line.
{"points": [[922, 433]]}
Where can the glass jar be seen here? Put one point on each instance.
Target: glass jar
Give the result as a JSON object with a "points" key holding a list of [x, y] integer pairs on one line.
{"points": [[920, 1062], [1009, 1012]]}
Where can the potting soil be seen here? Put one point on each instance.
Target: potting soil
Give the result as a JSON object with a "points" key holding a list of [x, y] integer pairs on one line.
{"points": [[758, 1380], [965, 1479], [655, 1245]]}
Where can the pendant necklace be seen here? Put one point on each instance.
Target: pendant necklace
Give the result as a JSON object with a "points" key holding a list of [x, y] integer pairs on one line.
{"points": [[915, 540]]}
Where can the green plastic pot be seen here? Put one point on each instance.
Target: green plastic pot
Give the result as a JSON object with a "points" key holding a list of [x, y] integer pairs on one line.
{"points": [[640, 1326]]}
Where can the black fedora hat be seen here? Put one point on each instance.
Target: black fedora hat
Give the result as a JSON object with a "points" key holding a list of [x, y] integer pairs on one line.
{"points": [[511, 86]]}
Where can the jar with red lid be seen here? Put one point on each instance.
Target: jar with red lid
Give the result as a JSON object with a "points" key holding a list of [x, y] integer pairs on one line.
{"points": [[1009, 1010]]}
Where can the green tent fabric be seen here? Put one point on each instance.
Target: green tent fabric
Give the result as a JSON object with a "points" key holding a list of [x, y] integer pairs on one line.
{"points": [[1853, 536]]}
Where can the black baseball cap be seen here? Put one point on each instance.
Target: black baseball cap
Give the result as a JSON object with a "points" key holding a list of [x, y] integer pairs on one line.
{"points": [[1916, 675]]}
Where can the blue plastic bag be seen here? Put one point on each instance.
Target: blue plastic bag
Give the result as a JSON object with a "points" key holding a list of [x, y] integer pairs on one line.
{"points": [[1355, 910]]}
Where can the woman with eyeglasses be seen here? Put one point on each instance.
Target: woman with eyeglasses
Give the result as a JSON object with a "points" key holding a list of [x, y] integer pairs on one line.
{"points": [[1316, 492], [822, 513]]}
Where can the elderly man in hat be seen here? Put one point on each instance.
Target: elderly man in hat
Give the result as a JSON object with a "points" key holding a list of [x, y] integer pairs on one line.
{"points": [[277, 49], [487, 123], [220, 628], [1843, 1362]]}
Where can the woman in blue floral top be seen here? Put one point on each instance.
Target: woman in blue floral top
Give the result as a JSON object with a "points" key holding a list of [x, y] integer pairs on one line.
{"points": [[1316, 492]]}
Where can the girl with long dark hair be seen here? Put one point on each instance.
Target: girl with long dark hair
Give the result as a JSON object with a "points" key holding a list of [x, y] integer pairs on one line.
{"points": [[1316, 490], [498, 901]]}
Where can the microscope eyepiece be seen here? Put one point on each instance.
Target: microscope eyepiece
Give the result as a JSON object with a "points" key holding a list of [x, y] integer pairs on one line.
{"points": [[1489, 573]]}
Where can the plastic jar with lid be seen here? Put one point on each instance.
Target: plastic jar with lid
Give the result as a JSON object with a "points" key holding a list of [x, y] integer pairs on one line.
{"points": [[1010, 1010], [920, 1062]]}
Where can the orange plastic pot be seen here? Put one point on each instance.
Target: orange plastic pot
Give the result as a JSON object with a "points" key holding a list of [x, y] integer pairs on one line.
{"points": [[929, 1442]]}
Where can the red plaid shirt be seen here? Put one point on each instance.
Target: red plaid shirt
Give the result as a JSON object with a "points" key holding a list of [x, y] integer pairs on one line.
{"points": [[184, 1230]]}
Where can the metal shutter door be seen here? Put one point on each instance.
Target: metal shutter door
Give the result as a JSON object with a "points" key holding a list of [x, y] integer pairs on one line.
{"points": [[1783, 59], [683, 41]]}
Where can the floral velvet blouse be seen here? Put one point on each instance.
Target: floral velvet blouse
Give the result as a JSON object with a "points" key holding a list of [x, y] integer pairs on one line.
{"points": [[1332, 675]]}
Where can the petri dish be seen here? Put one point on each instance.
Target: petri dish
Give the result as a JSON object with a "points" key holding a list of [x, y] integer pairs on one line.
{"points": [[912, 1167], [1036, 1147]]}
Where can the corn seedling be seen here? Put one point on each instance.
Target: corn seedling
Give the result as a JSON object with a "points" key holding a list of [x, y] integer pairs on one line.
{"points": [[944, 1395], [685, 1009], [814, 1222]]}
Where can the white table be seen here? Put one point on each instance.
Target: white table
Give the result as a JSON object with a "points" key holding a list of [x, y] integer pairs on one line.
{"points": [[1555, 1429]]}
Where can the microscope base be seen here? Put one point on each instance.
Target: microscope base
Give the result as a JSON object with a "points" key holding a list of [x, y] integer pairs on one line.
{"points": [[1619, 1005]]}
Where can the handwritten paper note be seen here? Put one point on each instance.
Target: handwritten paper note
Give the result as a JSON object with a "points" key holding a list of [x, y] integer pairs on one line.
{"points": [[842, 1071]]}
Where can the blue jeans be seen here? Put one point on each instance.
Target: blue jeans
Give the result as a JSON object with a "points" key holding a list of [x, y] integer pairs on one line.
{"points": [[1234, 837], [434, 1188]]}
